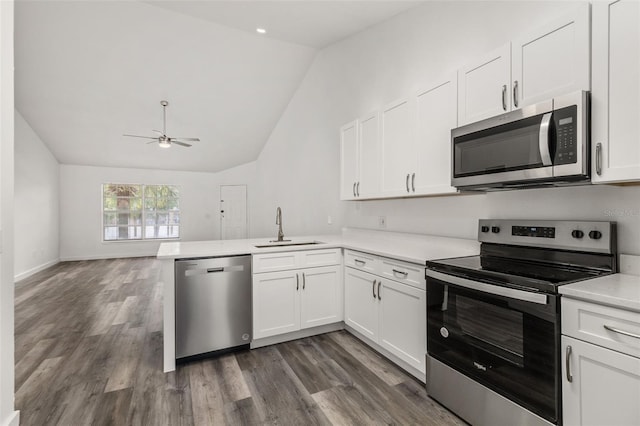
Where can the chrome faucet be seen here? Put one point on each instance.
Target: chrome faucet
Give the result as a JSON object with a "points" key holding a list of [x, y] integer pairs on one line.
{"points": [[279, 223]]}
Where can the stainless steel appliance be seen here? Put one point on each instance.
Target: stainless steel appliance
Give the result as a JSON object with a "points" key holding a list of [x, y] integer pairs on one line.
{"points": [[493, 320], [543, 144], [213, 305]]}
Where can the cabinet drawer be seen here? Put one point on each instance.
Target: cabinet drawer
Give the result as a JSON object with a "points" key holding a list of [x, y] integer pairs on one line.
{"points": [[404, 272], [362, 261], [602, 325], [313, 258], [274, 262]]}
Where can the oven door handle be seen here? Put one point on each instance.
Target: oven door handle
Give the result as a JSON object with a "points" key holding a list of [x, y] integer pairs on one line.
{"points": [[543, 140], [497, 290]]}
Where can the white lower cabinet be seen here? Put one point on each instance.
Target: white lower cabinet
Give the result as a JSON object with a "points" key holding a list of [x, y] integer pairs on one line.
{"points": [[389, 313], [296, 299], [600, 365]]}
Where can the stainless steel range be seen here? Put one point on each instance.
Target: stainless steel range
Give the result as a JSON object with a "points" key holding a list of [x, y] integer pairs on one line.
{"points": [[493, 320]]}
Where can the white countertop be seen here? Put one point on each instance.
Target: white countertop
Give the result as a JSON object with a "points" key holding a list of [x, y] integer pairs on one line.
{"points": [[415, 248], [617, 290]]}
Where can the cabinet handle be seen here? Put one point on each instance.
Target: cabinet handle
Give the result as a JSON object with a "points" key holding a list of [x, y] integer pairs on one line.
{"points": [[617, 330], [358, 189], [379, 284], [359, 262], [304, 281], [567, 361], [373, 287], [297, 282], [504, 97], [413, 182], [515, 94], [599, 159], [407, 182], [354, 189], [395, 271]]}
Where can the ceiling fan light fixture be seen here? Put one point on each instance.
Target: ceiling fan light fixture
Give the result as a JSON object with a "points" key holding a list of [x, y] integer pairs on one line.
{"points": [[261, 31], [164, 144]]}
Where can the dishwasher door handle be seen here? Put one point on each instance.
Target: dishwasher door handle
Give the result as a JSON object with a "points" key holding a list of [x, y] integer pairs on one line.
{"points": [[205, 271], [210, 270]]}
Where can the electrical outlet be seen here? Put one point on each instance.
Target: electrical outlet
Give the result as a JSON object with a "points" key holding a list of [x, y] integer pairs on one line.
{"points": [[382, 222], [329, 220]]}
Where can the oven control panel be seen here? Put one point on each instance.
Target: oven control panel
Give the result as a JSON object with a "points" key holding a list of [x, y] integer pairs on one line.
{"points": [[589, 236]]}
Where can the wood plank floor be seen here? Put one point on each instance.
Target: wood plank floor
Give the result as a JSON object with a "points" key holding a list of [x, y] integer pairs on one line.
{"points": [[89, 351]]}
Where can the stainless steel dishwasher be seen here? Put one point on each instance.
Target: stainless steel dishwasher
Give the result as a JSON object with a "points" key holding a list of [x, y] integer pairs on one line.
{"points": [[213, 305]]}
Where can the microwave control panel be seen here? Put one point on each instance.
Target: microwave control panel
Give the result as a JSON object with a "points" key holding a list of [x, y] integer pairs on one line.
{"points": [[565, 120]]}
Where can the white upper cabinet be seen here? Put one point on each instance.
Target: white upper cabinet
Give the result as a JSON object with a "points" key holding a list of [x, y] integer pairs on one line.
{"points": [[545, 62], [369, 156], [349, 170], [551, 60], [396, 148], [616, 92], [484, 86], [436, 115]]}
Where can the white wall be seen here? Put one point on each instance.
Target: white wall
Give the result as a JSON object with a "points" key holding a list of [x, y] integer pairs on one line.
{"points": [[8, 416], [299, 166], [81, 203], [36, 195]]}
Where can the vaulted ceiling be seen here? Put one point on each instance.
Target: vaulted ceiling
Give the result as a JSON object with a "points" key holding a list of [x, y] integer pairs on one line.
{"points": [[89, 71]]}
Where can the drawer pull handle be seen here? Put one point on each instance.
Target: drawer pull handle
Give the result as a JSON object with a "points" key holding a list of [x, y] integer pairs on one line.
{"points": [[360, 262], [617, 330], [373, 287], [395, 271], [567, 361]]}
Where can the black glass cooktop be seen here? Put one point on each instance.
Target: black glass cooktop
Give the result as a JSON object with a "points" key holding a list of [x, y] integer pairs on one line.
{"points": [[531, 275]]}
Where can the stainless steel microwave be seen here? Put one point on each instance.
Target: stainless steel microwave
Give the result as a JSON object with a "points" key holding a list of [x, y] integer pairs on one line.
{"points": [[545, 144]]}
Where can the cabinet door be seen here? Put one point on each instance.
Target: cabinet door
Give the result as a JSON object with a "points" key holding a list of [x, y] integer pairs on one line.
{"points": [[397, 156], [436, 115], [483, 86], [361, 302], [348, 160], [616, 91], [276, 303], [403, 322], [369, 160], [321, 296], [552, 60], [605, 386]]}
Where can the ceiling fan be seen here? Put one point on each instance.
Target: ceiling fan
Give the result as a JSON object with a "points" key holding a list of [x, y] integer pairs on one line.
{"points": [[163, 140]]}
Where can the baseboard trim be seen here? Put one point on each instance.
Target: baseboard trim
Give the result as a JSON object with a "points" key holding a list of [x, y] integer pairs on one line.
{"points": [[106, 256], [13, 419], [26, 274]]}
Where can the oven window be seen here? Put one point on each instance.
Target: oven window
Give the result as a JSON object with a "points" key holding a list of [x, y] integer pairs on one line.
{"points": [[494, 328], [513, 146]]}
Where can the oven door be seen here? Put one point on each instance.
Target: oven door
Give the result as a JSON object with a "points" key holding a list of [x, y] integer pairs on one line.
{"points": [[504, 338]]}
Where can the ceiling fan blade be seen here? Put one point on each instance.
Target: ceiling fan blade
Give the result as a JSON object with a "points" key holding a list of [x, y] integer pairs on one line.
{"points": [[187, 139], [138, 136], [158, 132], [152, 142], [180, 143]]}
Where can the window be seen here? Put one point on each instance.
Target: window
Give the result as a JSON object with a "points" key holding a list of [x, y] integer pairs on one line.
{"points": [[140, 212]]}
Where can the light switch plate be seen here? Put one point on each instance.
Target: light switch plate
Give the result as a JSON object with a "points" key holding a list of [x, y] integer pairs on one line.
{"points": [[382, 221]]}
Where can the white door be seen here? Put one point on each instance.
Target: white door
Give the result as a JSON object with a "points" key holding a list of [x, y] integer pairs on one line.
{"points": [[604, 387], [551, 60], [615, 100], [321, 296], [369, 161], [349, 173], [403, 322], [436, 115], [276, 303], [233, 212], [397, 155], [484, 86], [361, 302]]}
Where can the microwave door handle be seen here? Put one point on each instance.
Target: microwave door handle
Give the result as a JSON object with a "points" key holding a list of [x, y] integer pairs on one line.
{"points": [[543, 139]]}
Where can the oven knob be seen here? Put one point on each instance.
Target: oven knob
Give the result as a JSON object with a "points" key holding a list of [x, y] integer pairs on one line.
{"points": [[444, 332], [495, 229], [484, 228], [595, 235], [576, 233]]}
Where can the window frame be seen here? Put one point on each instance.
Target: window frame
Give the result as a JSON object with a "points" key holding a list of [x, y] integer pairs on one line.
{"points": [[143, 214]]}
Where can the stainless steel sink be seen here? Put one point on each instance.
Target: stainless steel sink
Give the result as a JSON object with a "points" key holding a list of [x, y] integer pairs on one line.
{"points": [[286, 243]]}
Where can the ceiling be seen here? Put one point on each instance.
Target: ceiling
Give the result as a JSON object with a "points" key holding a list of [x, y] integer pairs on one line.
{"points": [[89, 71]]}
